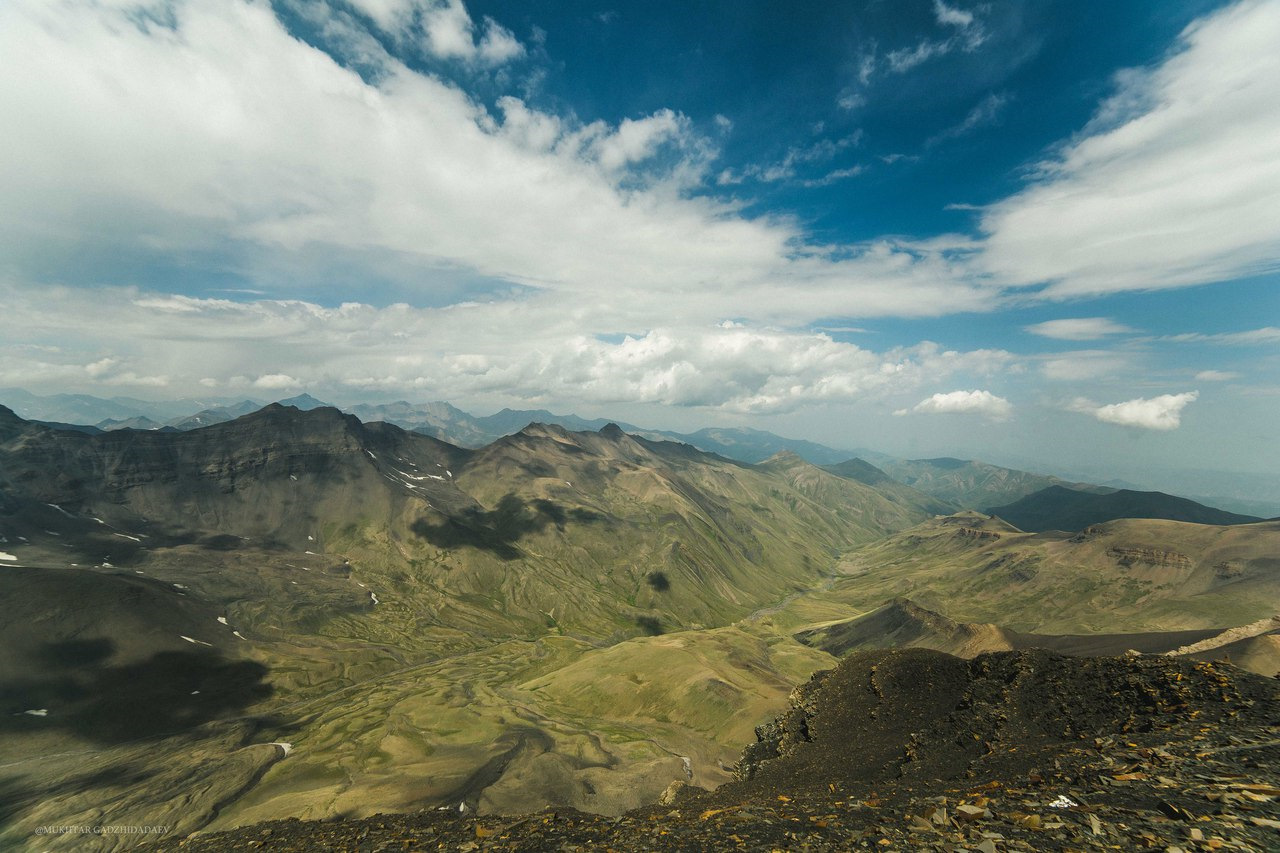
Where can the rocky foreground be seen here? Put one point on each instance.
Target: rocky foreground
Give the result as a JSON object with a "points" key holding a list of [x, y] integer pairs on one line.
{"points": [[918, 750]]}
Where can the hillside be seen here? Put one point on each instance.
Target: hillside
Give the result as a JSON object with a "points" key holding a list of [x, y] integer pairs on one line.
{"points": [[1123, 577], [1061, 508], [917, 750]]}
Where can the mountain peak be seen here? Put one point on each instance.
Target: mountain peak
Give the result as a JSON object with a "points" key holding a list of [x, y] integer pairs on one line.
{"points": [[612, 431], [305, 402]]}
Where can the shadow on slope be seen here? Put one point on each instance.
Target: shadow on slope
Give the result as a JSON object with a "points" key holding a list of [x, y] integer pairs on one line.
{"points": [[498, 530], [77, 690]]}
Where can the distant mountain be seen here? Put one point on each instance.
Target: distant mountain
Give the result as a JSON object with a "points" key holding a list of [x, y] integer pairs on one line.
{"points": [[970, 483], [1060, 508], [218, 415], [136, 422], [305, 402], [88, 409], [860, 470]]}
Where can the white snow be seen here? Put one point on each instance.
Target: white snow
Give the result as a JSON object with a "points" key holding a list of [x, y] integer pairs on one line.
{"points": [[293, 477], [237, 634], [1063, 802], [138, 572], [286, 748], [107, 565], [311, 538], [450, 473], [37, 712], [222, 619], [312, 553], [374, 596], [100, 521], [179, 586], [50, 532], [371, 456], [4, 556], [61, 510], [195, 692], [197, 642], [127, 536]]}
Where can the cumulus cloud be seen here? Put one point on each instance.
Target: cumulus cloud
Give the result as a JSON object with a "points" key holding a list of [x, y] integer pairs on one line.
{"points": [[1157, 413], [1175, 182], [1078, 328], [964, 403]]}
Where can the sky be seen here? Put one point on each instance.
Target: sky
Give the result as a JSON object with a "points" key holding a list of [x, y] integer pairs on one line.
{"points": [[1046, 231]]}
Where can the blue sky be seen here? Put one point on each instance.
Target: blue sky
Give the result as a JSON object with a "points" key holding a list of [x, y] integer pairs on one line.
{"points": [[1045, 230]]}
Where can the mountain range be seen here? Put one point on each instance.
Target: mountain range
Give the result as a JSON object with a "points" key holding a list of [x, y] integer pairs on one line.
{"points": [[299, 613]]}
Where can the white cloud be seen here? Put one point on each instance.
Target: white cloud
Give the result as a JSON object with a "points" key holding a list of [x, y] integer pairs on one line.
{"points": [[951, 15], [276, 382], [1175, 182], [1078, 328], [1157, 413], [447, 29], [964, 403], [1216, 376]]}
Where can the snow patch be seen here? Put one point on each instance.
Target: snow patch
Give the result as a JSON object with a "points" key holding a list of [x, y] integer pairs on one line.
{"points": [[36, 712], [180, 586], [222, 620], [237, 634], [127, 536], [61, 510], [195, 641], [286, 748], [374, 597], [311, 538], [371, 456], [312, 553], [293, 476], [4, 556]]}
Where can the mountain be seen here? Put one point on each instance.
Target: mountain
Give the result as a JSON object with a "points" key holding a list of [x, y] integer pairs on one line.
{"points": [[753, 445], [217, 415], [138, 422], [1061, 508], [422, 624], [969, 483]]}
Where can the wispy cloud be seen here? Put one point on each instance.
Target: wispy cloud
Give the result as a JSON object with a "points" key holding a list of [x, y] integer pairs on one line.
{"points": [[1157, 413], [1252, 337], [985, 112], [1078, 328], [1216, 376]]}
